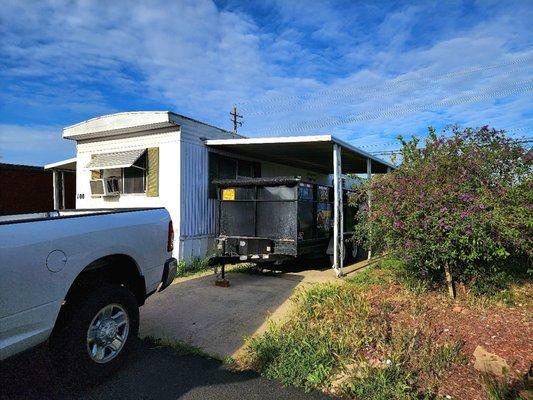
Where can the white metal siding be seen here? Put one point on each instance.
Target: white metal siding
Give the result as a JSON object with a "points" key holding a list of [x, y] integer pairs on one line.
{"points": [[169, 173], [197, 210]]}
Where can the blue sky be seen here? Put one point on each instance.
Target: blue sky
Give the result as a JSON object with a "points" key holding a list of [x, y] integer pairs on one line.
{"points": [[365, 71]]}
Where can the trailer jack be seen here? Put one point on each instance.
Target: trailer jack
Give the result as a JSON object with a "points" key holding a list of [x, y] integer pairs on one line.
{"points": [[221, 280]]}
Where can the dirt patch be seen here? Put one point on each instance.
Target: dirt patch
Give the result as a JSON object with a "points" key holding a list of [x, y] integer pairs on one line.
{"points": [[501, 330], [376, 336]]}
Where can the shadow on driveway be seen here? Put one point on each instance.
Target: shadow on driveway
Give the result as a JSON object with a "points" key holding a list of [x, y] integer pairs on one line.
{"points": [[150, 373]]}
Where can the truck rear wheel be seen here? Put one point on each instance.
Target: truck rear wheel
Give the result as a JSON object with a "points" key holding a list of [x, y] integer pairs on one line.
{"points": [[96, 335]]}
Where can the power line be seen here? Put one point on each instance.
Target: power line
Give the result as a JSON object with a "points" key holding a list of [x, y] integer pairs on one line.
{"points": [[277, 99], [378, 93], [474, 96], [396, 142], [397, 151]]}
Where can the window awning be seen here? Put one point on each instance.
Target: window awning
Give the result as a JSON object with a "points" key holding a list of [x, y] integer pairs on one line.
{"points": [[119, 159]]}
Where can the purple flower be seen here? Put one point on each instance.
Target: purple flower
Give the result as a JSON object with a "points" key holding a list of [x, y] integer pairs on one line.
{"points": [[466, 197], [399, 225]]}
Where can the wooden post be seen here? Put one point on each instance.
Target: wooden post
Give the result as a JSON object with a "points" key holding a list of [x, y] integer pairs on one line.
{"points": [[369, 195], [338, 242], [449, 281]]}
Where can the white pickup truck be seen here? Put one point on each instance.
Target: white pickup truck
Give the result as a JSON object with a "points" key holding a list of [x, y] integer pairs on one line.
{"points": [[74, 280]]}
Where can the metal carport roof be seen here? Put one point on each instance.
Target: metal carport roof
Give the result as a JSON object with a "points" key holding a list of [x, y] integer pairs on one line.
{"points": [[307, 152]]}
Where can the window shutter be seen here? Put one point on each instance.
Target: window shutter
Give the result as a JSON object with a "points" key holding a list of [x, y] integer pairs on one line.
{"points": [[152, 179]]}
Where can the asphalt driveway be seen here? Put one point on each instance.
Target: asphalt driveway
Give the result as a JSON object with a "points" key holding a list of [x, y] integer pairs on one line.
{"points": [[150, 373]]}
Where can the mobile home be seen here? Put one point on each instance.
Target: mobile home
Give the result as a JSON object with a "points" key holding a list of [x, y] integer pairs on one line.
{"points": [[160, 158]]}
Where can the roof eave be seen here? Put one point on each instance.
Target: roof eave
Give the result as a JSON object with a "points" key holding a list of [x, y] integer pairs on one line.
{"points": [[121, 123], [298, 139], [62, 165], [362, 152]]}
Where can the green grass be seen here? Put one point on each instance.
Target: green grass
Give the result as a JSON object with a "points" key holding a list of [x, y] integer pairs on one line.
{"points": [[517, 293], [339, 339], [498, 388], [200, 265], [192, 267], [181, 348], [242, 267], [372, 276]]}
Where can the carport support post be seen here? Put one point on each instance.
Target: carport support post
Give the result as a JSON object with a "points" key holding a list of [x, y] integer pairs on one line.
{"points": [[369, 195], [337, 211], [55, 188], [63, 190]]}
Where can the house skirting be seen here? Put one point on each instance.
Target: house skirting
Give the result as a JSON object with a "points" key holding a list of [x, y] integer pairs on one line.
{"points": [[196, 247]]}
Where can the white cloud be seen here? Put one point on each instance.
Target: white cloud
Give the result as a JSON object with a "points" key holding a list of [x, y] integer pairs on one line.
{"points": [[33, 145], [65, 58]]}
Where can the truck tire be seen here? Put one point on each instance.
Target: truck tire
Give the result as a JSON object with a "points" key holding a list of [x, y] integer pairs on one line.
{"points": [[96, 335]]}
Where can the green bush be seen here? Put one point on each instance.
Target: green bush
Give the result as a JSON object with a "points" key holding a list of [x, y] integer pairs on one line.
{"points": [[460, 208]]}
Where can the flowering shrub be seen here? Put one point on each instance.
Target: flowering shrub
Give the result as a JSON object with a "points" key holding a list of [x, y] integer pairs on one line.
{"points": [[461, 208]]}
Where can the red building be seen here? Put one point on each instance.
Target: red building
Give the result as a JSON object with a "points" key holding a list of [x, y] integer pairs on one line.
{"points": [[25, 188]]}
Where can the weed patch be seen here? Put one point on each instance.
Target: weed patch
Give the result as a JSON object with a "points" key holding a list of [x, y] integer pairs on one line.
{"points": [[373, 276], [344, 340], [194, 266], [181, 348]]}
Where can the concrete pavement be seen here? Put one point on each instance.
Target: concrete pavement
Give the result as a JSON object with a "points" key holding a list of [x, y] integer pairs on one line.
{"points": [[195, 311]]}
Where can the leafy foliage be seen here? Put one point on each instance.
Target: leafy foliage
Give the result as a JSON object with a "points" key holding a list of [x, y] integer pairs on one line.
{"points": [[463, 203]]}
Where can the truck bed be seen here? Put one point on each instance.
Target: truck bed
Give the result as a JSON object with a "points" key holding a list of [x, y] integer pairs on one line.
{"points": [[55, 214]]}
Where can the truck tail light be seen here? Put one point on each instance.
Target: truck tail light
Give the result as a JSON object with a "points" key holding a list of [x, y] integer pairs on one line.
{"points": [[170, 242]]}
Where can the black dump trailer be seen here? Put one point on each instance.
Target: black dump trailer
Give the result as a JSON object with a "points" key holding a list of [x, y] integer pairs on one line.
{"points": [[265, 220]]}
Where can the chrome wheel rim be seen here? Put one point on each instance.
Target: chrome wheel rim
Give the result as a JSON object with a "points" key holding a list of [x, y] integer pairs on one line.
{"points": [[108, 333]]}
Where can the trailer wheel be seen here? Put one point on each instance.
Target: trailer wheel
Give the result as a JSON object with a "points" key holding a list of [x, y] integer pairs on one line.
{"points": [[350, 253], [332, 258]]}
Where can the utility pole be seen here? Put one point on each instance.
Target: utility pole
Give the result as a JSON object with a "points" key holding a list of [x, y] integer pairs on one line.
{"points": [[235, 119]]}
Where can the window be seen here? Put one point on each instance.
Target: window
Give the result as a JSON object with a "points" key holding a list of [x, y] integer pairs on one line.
{"points": [[245, 169], [227, 168], [134, 177], [222, 167]]}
